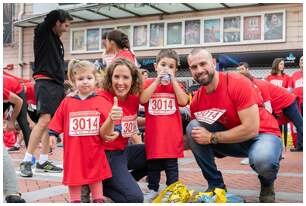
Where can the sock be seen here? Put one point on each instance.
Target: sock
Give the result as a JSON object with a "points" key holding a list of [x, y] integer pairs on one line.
{"points": [[43, 158], [75, 193], [96, 191], [17, 145], [27, 157]]}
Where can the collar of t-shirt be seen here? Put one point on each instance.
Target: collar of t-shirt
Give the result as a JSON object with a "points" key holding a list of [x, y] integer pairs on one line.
{"points": [[89, 96]]}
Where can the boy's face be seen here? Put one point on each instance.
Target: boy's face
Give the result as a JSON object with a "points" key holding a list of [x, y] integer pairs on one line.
{"points": [[166, 64]]}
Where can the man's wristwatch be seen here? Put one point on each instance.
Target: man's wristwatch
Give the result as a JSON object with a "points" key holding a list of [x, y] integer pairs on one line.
{"points": [[214, 138]]}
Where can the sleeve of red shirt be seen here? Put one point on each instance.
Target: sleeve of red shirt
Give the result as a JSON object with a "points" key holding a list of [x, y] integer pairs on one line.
{"points": [[241, 92], [57, 120], [193, 104]]}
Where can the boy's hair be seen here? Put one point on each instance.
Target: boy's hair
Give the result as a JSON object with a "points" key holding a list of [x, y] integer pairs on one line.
{"points": [[168, 53], [275, 66], [136, 76], [76, 66]]}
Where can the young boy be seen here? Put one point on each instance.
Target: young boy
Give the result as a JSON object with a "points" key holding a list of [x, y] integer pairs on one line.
{"points": [[162, 97]]}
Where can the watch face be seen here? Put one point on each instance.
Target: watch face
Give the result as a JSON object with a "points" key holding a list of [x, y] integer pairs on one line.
{"points": [[214, 140]]}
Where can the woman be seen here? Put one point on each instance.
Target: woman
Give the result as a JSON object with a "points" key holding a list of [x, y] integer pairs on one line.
{"points": [[280, 79], [118, 42], [121, 87]]}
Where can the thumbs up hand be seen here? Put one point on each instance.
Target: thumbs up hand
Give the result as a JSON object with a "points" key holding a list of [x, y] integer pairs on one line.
{"points": [[116, 112]]}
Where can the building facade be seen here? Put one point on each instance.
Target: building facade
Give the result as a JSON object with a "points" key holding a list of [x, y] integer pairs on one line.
{"points": [[256, 33]]}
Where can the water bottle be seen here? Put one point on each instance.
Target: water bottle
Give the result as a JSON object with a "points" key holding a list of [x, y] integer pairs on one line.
{"points": [[165, 79]]}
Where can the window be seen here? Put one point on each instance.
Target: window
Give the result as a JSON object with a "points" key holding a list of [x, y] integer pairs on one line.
{"points": [[192, 32], [93, 39], [8, 10], [174, 33], [157, 35], [78, 40]]}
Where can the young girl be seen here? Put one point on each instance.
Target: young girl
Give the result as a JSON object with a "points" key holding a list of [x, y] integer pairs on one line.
{"points": [[164, 133], [79, 118]]}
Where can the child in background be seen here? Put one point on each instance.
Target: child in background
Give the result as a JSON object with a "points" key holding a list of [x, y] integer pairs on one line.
{"points": [[164, 133], [79, 118]]}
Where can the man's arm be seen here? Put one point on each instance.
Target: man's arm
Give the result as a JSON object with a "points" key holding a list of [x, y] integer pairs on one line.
{"points": [[248, 129]]}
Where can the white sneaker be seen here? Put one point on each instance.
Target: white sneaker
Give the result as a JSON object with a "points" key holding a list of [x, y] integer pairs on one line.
{"points": [[245, 161], [149, 196]]}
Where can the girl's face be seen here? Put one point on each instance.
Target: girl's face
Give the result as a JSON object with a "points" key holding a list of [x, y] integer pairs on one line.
{"points": [[166, 64], [85, 82], [109, 46], [281, 66], [121, 81]]}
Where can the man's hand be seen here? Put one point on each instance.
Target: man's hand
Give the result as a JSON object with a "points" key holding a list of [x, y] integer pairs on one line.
{"points": [[201, 135]]}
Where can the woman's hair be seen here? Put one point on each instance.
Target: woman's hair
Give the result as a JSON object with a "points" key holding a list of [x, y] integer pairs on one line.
{"points": [[76, 66], [136, 76], [275, 65], [120, 38], [168, 53]]}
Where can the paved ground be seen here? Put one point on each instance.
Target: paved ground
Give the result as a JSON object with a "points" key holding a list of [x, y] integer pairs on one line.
{"points": [[240, 179]]}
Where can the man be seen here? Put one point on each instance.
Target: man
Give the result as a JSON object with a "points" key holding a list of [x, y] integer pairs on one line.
{"points": [[49, 75], [227, 121], [10, 186], [278, 101]]}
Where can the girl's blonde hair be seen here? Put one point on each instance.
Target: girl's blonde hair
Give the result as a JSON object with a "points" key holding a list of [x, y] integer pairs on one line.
{"points": [[136, 76], [76, 66]]}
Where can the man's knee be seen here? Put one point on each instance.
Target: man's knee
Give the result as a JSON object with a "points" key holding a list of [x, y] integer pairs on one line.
{"points": [[264, 165], [192, 124], [44, 120]]}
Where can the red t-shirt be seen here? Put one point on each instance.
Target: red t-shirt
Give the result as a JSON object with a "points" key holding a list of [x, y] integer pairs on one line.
{"points": [[30, 93], [297, 84], [85, 161], [6, 94], [126, 54], [11, 84], [233, 94], [283, 80], [164, 132], [129, 121]]}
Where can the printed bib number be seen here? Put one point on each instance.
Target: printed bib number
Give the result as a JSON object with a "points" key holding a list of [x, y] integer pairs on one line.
{"points": [[209, 116], [276, 82], [85, 123], [129, 126], [162, 104], [298, 83]]}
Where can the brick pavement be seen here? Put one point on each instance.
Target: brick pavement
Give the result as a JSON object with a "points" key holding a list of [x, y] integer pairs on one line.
{"points": [[240, 179]]}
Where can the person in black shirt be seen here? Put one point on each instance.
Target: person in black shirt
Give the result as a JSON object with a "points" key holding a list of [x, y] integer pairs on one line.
{"points": [[49, 75]]}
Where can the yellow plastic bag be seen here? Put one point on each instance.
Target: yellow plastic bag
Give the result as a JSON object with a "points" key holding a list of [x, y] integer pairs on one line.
{"points": [[220, 195], [174, 193]]}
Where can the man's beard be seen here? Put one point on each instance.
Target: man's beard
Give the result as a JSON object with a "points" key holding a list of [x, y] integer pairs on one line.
{"points": [[204, 82]]}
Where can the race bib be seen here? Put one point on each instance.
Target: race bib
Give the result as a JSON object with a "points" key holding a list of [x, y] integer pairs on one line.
{"points": [[129, 126], [277, 82], [298, 83], [84, 123], [209, 116], [162, 104]]}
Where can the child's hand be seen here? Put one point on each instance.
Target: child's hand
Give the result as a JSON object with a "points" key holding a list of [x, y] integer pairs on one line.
{"points": [[116, 112], [171, 73], [111, 137], [10, 125]]}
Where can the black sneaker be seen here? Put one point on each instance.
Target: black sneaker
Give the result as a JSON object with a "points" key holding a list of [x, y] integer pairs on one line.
{"points": [[212, 188], [296, 150], [267, 194], [14, 149], [48, 167], [14, 199], [25, 169], [85, 194]]}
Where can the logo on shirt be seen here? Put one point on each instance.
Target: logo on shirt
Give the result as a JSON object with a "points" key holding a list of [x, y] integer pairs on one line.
{"points": [[277, 82], [298, 83]]}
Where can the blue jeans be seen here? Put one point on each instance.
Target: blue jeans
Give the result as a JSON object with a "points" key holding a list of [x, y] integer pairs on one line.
{"points": [[264, 152], [293, 114], [121, 187]]}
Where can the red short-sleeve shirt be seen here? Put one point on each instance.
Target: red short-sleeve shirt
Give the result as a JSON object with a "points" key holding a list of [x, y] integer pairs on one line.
{"points": [[11, 84], [85, 161], [297, 84]]}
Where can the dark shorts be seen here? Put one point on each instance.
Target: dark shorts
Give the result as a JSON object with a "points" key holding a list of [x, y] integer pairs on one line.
{"points": [[48, 95]]}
